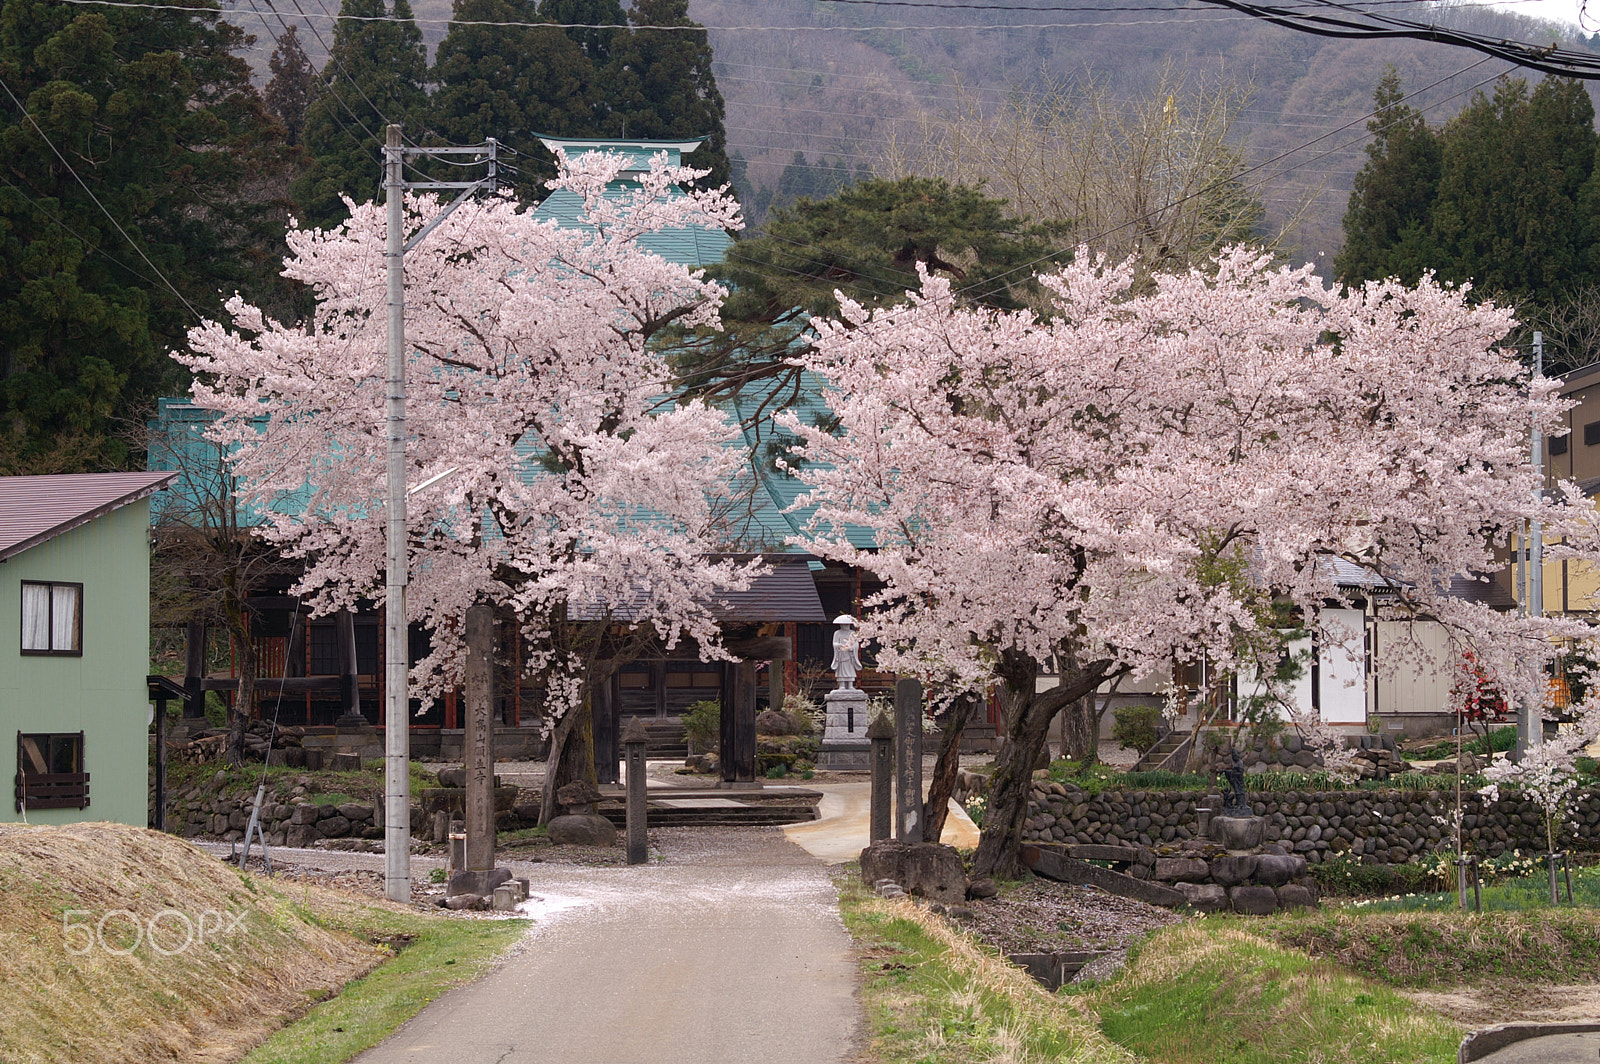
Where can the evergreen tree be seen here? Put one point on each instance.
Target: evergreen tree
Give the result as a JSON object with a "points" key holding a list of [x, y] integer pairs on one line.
{"points": [[1386, 224], [1508, 215], [374, 76], [511, 83], [596, 43], [868, 242], [658, 85], [294, 82], [144, 162]]}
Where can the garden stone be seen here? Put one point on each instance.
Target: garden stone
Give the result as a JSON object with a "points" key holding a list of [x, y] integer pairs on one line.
{"points": [[1205, 897], [464, 901], [1274, 871], [1173, 869], [1293, 895], [582, 829], [578, 796], [453, 777], [928, 870], [1253, 901], [1236, 832], [1231, 870], [355, 811]]}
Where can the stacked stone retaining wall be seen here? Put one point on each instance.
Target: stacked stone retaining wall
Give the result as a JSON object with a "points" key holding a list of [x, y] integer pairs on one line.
{"points": [[1376, 827], [293, 823]]}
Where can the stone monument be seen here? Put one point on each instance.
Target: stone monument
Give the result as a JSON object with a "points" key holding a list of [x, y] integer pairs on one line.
{"points": [[1236, 827], [845, 746]]}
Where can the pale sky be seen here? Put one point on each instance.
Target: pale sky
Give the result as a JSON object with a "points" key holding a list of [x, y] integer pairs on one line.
{"points": [[1557, 10]]}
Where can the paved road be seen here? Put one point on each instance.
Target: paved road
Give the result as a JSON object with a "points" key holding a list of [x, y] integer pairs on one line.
{"points": [[729, 950]]}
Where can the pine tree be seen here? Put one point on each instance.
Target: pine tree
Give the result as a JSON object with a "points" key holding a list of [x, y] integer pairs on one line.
{"points": [[658, 85], [294, 81], [511, 83], [138, 184], [1508, 215], [1386, 224], [375, 75]]}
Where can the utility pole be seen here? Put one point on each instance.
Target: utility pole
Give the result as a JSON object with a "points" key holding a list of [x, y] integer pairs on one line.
{"points": [[396, 664], [1530, 722]]}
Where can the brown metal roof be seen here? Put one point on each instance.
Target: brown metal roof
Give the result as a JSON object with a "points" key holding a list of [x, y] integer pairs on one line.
{"points": [[36, 509]]}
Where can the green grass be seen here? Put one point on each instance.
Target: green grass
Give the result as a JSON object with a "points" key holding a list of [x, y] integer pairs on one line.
{"points": [[1498, 740], [325, 786], [522, 836], [435, 954], [1520, 893], [1439, 950], [932, 996], [1210, 992]]}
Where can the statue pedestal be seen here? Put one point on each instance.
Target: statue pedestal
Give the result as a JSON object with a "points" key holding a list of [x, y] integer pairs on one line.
{"points": [[845, 746], [1236, 832]]}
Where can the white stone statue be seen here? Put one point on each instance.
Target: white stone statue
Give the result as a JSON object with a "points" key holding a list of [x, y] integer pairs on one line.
{"points": [[846, 652]]}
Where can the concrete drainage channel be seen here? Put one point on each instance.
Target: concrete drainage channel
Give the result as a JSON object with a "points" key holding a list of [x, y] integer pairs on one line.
{"points": [[1532, 1043]]}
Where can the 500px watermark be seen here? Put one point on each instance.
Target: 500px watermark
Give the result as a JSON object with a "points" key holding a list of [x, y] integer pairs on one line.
{"points": [[120, 932]]}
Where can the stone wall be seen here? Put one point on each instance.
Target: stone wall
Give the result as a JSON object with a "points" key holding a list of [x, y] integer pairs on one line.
{"points": [[1378, 827], [201, 811]]}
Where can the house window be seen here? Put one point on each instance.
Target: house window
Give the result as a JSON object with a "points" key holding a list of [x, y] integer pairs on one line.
{"points": [[1558, 445], [1591, 434], [50, 772], [52, 618]]}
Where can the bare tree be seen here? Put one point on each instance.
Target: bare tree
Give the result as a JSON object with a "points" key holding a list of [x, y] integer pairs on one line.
{"points": [[1157, 175], [207, 560]]}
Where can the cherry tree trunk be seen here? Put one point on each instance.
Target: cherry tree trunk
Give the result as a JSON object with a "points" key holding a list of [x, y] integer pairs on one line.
{"points": [[945, 769], [1001, 838], [571, 756], [1080, 726]]}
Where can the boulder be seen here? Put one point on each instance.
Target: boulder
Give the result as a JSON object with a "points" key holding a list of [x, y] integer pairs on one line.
{"points": [[453, 777], [355, 811], [475, 883], [1274, 871], [465, 901], [772, 722], [982, 888], [1253, 900], [333, 827], [1187, 869], [1236, 832], [1206, 897], [1294, 895], [582, 829], [928, 870], [1230, 870], [578, 796]]}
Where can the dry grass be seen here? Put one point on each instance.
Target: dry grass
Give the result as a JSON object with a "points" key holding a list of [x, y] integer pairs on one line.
{"points": [[936, 995], [260, 958]]}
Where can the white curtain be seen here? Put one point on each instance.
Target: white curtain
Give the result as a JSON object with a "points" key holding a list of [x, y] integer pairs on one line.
{"points": [[35, 616], [64, 617]]}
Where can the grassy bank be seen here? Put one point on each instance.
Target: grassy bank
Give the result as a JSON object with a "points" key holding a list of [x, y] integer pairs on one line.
{"points": [[123, 946], [429, 956], [933, 996], [1212, 992]]}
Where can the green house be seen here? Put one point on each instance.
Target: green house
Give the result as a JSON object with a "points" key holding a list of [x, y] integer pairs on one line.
{"points": [[75, 645]]}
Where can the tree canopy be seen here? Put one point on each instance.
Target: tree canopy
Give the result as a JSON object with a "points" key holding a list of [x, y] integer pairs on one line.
{"points": [[560, 487], [1503, 196], [138, 170], [1153, 471]]}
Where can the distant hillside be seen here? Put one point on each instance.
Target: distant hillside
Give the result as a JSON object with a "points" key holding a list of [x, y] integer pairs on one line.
{"points": [[836, 92], [832, 82]]}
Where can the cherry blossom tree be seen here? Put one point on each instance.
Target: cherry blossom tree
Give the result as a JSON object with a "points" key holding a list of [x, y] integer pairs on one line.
{"points": [[1163, 473], [553, 478]]}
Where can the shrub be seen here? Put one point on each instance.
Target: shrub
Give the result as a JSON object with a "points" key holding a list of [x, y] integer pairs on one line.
{"points": [[1137, 727], [702, 725]]}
